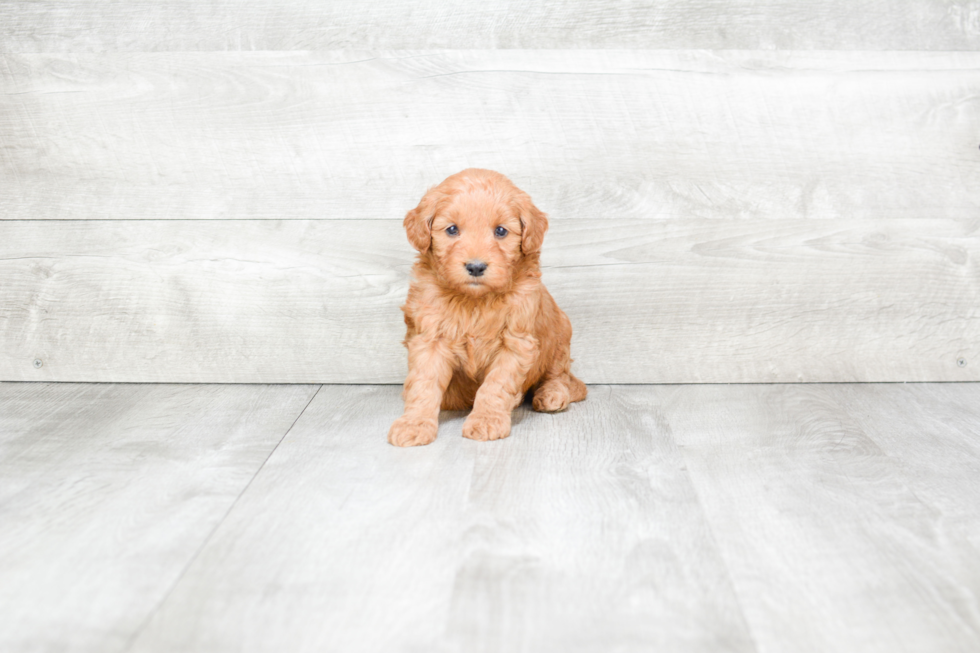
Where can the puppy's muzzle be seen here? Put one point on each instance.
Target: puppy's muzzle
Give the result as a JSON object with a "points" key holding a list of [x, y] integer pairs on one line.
{"points": [[476, 268]]}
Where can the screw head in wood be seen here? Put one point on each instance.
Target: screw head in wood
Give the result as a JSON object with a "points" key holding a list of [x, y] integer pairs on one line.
{"points": [[961, 362], [38, 363]]}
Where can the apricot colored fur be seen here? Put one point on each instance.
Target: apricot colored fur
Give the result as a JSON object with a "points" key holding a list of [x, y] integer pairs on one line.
{"points": [[484, 341]]}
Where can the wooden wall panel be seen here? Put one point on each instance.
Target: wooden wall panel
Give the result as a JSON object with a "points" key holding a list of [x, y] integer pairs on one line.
{"points": [[652, 301], [590, 134], [786, 191], [78, 26]]}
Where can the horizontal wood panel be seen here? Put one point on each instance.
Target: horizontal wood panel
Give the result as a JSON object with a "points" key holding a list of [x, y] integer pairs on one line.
{"points": [[651, 301], [590, 134], [73, 26]]}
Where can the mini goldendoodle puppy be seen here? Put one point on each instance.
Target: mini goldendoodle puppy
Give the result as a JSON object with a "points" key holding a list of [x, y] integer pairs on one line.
{"points": [[482, 328]]}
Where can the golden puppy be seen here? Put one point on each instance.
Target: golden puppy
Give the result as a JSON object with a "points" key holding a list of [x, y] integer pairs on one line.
{"points": [[482, 329]]}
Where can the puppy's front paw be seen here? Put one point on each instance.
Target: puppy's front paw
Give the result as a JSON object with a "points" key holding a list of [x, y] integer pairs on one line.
{"points": [[486, 426], [411, 432]]}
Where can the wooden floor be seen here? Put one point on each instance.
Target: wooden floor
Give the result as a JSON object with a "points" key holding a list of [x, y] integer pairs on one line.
{"points": [[216, 518]]}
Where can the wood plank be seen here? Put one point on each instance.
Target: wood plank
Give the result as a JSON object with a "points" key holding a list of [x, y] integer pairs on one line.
{"points": [[587, 535], [590, 134], [108, 491], [65, 26], [828, 543], [580, 532], [347, 543], [651, 301], [936, 444]]}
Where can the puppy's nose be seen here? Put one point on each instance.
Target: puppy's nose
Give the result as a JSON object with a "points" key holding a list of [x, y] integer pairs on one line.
{"points": [[476, 268]]}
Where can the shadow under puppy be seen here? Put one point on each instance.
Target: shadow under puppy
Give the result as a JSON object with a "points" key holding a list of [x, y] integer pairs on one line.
{"points": [[482, 328]]}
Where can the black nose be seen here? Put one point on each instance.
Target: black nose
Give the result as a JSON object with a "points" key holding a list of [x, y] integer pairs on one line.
{"points": [[476, 268]]}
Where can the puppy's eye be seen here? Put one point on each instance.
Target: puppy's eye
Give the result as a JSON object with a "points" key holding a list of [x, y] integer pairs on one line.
{"points": [[500, 232], [452, 230]]}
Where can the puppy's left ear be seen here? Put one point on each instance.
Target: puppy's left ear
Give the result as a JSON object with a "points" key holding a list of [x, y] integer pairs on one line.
{"points": [[533, 225]]}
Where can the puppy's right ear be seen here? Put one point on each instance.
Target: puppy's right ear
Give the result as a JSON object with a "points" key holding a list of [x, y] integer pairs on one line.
{"points": [[418, 222]]}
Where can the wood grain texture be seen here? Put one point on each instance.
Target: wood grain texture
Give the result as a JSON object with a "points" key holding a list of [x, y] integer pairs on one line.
{"points": [[590, 134], [684, 518], [935, 444], [828, 541], [108, 491], [581, 532], [67, 26], [650, 301]]}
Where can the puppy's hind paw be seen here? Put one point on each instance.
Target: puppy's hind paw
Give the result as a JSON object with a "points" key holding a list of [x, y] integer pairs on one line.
{"points": [[486, 426], [551, 398], [411, 432]]}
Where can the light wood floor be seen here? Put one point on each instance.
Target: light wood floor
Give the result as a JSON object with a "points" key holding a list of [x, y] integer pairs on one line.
{"points": [[649, 518]]}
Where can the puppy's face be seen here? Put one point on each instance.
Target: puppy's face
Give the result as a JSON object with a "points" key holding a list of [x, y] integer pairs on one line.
{"points": [[476, 241], [477, 226]]}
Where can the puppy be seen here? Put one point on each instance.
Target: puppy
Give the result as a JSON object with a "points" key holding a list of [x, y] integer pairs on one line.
{"points": [[482, 329]]}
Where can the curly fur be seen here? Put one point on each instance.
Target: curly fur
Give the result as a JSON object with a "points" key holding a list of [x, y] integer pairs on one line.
{"points": [[480, 341]]}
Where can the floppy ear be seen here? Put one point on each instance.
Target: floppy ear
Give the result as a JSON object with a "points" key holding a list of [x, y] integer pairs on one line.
{"points": [[418, 222], [533, 225]]}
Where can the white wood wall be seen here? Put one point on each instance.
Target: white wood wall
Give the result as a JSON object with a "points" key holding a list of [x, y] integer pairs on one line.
{"points": [[739, 192]]}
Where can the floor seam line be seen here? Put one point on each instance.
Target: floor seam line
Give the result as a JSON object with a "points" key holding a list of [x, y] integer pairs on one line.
{"points": [[183, 572], [682, 452]]}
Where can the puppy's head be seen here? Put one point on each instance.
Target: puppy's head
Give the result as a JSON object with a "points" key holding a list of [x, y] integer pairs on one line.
{"points": [[477, 231]]}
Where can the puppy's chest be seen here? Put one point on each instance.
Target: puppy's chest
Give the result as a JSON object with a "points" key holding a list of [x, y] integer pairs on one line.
{"points": [[475, 337]]}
